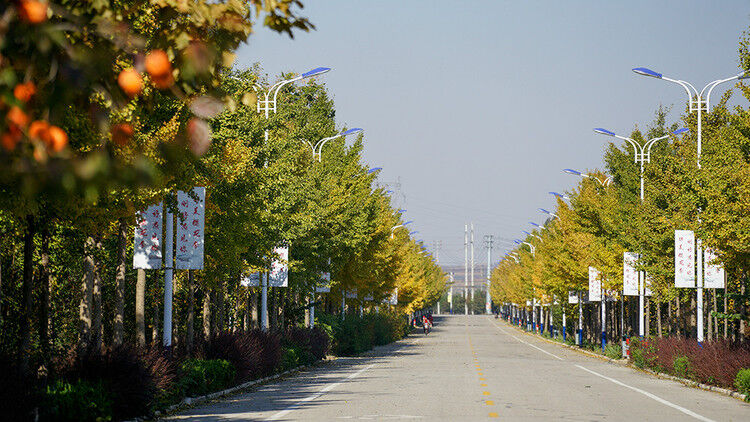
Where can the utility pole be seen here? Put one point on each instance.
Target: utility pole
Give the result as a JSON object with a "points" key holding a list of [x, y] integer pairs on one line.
{"points": [[450, 294], [472, 265], [437, 261], [488, 239], [466, 269]]}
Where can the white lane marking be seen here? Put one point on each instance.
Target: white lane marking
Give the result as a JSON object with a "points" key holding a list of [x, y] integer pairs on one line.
{"points": [[529, 344], [651, 396], [318, 394]]}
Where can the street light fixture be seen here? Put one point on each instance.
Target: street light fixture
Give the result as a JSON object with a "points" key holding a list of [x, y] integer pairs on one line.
{"points": [[560, 195], [531, 234], [606, 182], [393, 229], [543, 211], [697, 102], [531, 247], [317, 148], [539, 226], [642, 153], [374, 169]]}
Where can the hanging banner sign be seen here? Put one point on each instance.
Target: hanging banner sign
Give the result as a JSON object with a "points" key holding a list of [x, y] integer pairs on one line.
{"points": [[351, 294], [713, 275], [595, 285], [572, 296], [629, 274], [190, 230], [324, 286], [684, 258], [394, 297], [369, 298], [279, 275], [148, 235], [251, 280]]}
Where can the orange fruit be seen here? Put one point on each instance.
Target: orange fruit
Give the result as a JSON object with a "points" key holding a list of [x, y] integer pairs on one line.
{"points": [[163, 82], [121, 133], [17, 117], [10, 138], [157, 64], [130, 82], [23, 92], [58, 138], [32, 11], [39, 129]]}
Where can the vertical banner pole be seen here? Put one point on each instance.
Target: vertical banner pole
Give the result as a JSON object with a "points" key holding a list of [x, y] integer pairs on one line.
{"points": [[264, 302], [168, 270]]}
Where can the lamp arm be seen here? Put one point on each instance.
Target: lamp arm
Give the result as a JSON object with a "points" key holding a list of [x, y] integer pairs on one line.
{"points": [[636, 146]]}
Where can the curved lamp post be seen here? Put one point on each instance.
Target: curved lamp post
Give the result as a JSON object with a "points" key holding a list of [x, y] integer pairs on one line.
{"points": [[393, 229], [317, 148], [606, 182], [551, 214], [700, 103]]}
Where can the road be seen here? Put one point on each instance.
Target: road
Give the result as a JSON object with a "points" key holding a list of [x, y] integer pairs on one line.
{"points": [[473, 368]]}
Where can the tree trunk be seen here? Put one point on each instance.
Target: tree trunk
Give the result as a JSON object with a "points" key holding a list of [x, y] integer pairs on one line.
{"points": [[97, 328], [678, 315], [693, 329], [247, 321], [658, 318], [716, 310], [117, 326], [190, 313], [207, 314], [743, 310], [87, 287], [254, 308], [726, 320], [710, 332], [24, 328], [273, 310], [669, 318], [220, 309], [44, 297], [647, 318], [155, 340], [140, 308]]}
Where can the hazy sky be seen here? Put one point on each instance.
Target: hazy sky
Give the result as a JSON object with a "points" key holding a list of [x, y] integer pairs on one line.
{"points": [[478, 106]]}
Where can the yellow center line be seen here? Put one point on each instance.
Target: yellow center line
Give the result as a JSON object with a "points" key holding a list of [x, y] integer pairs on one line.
{"points": [[493, 414], [489, 403], [486, 393]]}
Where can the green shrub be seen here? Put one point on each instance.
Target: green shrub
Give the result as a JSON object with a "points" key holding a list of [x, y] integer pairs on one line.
{"points": [[290, 358], [77, 401], [199, 377], [742, 382], [682, 367], [613, 351]]}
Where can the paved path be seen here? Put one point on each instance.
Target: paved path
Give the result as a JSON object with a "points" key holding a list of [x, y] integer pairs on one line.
{"points": [[473, 368]]}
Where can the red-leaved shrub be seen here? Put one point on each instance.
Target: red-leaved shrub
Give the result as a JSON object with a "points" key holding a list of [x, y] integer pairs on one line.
{"points": [[712, 362], [254, 354]]}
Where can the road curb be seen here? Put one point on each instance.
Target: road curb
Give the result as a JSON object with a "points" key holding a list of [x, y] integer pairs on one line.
{"points": [[626, 362], [189, 402]]}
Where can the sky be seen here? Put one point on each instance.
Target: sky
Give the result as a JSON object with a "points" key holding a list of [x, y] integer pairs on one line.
{"points": [[476, 107]]}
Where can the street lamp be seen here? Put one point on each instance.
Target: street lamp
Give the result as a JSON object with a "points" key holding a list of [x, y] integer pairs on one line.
{"points": [[531, 247], [538, 226], [697, 102], [393, 229], [551, 214], [560, 195], [374, 169], [317, 148], [413, 232], [642, 153], [605, 182], [531, 234]]}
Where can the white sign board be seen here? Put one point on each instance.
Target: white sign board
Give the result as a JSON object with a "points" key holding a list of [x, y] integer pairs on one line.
{"points": [[572, 296], [279, 275], [369, 298], [324, 285], [684, 258], [394, 297], [190, 230], [595, 285], [251, 280], [713, 275], [629, 274], [148, 235], [351, 294]]}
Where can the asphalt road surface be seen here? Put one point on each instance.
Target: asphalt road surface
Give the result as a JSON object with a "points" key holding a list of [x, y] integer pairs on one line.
{"points": [[473, 368]]}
